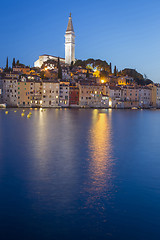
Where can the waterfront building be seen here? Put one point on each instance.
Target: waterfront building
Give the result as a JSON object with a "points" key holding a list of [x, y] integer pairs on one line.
{"points": [[153, 88], [64, 94], [90, 95], [157, 95], [9, 93], [115, 94], [70, 43], [23, 93], [144, 97], [1, 90], [36, 93], [130, 94], [50, 96], [73, 96]]}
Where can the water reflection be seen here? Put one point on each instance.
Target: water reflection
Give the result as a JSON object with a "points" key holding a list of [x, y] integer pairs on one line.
{"points": [[101, 161], [55, 153]]}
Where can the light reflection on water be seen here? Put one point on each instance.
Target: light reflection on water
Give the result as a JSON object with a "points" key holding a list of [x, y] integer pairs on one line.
{"points": [[100, 159], [55, 152]]}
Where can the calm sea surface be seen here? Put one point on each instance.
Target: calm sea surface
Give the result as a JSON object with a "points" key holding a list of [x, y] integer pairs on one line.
{"points": [[80, 174]]}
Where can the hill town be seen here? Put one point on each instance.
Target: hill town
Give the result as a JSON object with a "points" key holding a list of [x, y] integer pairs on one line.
{"points": [[68, 82]]}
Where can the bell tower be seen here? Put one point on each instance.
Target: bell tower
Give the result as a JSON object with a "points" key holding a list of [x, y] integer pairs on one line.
{"points": [[70, 43]]}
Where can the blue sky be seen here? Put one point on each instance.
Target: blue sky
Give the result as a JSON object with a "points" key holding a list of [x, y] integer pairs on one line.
{"points": [[126, 33]]}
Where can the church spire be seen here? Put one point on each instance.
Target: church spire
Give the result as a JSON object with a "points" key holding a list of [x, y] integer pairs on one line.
{"points": [[70, 25], [70, 43]]}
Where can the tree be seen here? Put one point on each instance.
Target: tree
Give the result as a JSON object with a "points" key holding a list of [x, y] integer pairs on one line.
{"points": [[132, 73], [13, 63], [145, 77], [87, 74], [115, 71], [59, 69], [7, 63], [17, 63], [80, 63], [104, 74], [42, 74], [71, 65], [110, 67]]}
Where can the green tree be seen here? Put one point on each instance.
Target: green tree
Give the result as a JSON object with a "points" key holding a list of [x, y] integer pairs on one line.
{"points": [[87, 74], [132, 73], [59, 70], [71, 65], [13, 63], [104, 74], [110, 68], [7, 63], [42, 74], [80, 63], [115, 71]]}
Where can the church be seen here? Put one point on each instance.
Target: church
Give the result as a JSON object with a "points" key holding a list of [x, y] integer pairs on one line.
{"points": [[69, 48]]}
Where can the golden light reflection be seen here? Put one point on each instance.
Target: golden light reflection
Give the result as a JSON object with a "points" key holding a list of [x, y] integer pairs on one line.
{"points": [[101, 161]]}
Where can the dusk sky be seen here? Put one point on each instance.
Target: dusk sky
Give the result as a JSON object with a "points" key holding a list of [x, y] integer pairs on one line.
{"points": [[126, 33]]}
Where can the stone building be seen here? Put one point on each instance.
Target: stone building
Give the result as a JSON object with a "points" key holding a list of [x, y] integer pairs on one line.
{"points": [[73, 96], [90, 95], [9, 93], [64, 94], [23, 93], [50, 96]]}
